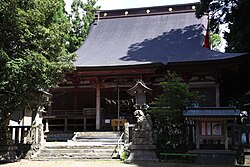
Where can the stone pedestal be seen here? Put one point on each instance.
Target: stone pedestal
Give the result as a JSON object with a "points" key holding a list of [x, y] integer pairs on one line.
{"points": [[142, 137], [142, 153]]}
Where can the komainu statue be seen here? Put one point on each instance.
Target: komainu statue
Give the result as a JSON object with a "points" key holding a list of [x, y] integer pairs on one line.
{"points": [[142, 133], [143, 122]]}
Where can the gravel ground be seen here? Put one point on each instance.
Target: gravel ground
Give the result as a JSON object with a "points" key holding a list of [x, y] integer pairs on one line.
{"points": [[98, 163]]}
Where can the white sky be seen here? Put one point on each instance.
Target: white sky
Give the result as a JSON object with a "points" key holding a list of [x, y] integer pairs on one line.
{"points": [[122, 4]]}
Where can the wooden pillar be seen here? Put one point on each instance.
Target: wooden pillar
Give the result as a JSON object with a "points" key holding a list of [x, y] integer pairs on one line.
{"points": [[65, 124], [46, 125], [225, 135], [85, 123], [75, 100], [75, 108], [118, 109], [217, 95], [197, 134], [98, 105]]}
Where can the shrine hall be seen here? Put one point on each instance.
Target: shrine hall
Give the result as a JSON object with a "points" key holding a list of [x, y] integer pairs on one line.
{"points": [[127, 45]]}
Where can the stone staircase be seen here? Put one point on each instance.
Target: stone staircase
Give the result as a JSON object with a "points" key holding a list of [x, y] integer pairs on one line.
{"points": [[83, 145]]}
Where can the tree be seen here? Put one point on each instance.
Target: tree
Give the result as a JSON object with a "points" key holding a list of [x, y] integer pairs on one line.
{"points": [[168, 114], [81, 17], [215, 41], [33, 53], [235, 14]]}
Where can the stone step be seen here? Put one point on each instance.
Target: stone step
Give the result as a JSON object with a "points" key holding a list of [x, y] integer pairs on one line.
{"points": [[84, 145], [97, 135], [81, 146], [58, 136], [110, 140], [72, 154], [90, 151], [78, 144], [107, 137], [75, 153], [73, 157]]}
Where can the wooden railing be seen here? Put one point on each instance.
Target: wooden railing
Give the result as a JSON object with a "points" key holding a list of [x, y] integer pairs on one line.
{"points": [[66, 115], [20, 134], [89, 113]]}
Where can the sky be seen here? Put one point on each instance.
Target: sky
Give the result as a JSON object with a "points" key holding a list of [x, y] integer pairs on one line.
{"points": [[122, 4]]}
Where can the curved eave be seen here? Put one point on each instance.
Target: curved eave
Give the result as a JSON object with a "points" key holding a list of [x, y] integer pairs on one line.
{"points": [[129, 70], [119, 67], [239, 57]]}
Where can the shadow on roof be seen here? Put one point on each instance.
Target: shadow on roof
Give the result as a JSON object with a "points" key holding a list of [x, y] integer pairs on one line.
{"points": [[177, 45]]}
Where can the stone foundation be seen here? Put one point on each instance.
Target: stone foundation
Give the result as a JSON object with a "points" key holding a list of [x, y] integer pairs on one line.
{"points": [[142, 153], [215, 156]]}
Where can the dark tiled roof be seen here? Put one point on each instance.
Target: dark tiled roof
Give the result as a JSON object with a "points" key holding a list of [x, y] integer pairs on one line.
{"points": [[211, 112], [147, 39]]}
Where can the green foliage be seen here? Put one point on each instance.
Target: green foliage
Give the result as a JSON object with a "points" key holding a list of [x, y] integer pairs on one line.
{"points": [[241, 101], [124, 155], [215, 41], [81, 16], [167, 116], [235, 14], [176, 95], [32, 51]]}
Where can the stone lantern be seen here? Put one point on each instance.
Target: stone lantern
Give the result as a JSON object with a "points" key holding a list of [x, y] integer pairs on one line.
{"points": [[142, 148], [139, 91]]}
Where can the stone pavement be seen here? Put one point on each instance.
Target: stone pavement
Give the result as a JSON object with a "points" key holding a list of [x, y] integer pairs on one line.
{"points": [[97, 163]]}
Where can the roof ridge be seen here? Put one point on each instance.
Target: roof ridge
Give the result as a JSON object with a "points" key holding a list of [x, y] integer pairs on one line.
{"points": [[174, 5], [146, 11]]}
